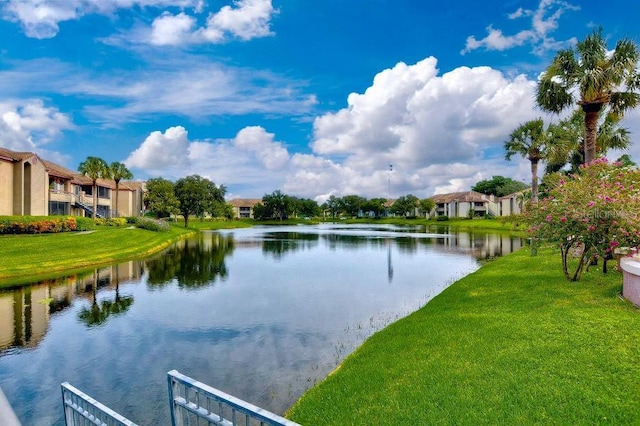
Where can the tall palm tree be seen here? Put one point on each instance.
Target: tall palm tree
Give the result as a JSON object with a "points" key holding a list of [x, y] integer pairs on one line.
{"points": [[94, 168], [588, 75], [118, 172], [567, 139], [529, 140]]}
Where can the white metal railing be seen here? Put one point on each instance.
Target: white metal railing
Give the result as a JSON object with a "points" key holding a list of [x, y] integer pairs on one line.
{"points": [[192, 402], [7, 415], [80, 410]]}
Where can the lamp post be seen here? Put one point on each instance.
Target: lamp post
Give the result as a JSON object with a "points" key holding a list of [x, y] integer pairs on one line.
{"points": [[389, 183]]}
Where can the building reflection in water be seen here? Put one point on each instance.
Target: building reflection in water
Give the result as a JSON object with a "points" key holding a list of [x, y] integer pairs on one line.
{"points": [[25, 311]]}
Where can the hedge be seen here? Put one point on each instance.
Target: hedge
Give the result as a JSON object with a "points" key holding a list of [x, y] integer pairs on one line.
{"points": [[38, 224]]}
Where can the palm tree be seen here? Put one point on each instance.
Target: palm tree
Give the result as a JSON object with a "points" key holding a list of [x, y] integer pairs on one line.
{"points": [[589, 76], [94, 168], [531, 141], [118, 172], [567, 139]]}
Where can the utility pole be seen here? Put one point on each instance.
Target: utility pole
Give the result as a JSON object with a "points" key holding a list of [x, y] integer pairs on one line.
{"points": [[389, 188]]}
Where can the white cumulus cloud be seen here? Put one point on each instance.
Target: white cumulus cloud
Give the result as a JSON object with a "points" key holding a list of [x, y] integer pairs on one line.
{"points": [[544, 21], [161, 151], [439, 132], [27, 125]]}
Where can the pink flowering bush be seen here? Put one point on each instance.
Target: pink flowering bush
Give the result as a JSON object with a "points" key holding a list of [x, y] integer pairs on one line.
{"points": [[589, 214]]}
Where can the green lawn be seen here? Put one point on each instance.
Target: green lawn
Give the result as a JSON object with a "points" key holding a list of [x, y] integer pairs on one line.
{"points": [[25, 258], [514, 343]]}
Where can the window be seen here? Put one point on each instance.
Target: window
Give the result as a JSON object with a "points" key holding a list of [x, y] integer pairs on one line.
{"points": [[103, 192], [59, 208], [104, 211]]}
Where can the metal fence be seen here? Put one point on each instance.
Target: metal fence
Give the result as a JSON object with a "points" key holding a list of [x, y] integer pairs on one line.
{"points": [[80, 410], [194, 403]]}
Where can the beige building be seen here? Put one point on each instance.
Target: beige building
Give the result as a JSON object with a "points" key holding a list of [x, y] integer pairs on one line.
{"points": [[460, 204], [32, 186], [243, 207]]}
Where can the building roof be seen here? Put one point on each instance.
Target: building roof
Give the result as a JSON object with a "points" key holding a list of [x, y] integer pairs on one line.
{"points": [[244, 202], [15, 155], [466, 196], [56, 170]]}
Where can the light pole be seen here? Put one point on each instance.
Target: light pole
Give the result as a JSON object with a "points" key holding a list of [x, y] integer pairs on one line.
{"points": [[389, 183]]}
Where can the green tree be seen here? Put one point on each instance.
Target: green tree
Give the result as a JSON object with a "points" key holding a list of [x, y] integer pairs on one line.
{"points": [[305, 207], [196, 196], [160, 197], [599, 79], [333, 205], [567, 145], [530, 140], [626, 160], [352, 204], [94, 168], [118, 172], [278, 203], [377, 206], [405, 205], [498, 186], [425, 206]]}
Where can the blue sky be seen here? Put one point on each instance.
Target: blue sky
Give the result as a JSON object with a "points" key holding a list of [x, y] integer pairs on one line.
{"points": [[310, 97]]}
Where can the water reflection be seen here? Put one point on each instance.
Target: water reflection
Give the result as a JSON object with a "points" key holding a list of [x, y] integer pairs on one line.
{"points": [[101, 310], [25, 311], [192, 263], [261, 313]]}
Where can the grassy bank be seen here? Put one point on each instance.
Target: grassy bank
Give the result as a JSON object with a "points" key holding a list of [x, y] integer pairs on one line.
{"points": [[513, 343], [496, 224], [26, 258]]}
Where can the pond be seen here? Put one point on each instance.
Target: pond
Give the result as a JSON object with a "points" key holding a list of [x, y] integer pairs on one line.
{"points": [[261, 313]]}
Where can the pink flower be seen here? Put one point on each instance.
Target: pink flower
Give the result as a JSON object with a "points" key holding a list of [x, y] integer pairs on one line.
{"points": [[548, 218], [563, 219], [591, 204]]}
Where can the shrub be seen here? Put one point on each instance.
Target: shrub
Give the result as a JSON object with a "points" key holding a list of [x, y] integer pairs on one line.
{"points": [[152, 224], [84, 224], [114, 221], [36, 224], [589, 214], [442, 218]]}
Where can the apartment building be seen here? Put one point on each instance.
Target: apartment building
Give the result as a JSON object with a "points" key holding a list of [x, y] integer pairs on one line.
{"points": [[30, 185]]}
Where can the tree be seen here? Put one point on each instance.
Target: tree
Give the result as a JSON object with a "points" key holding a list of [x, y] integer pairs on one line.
{"points": [[405, 205], [196, 196], [529, 140], [626, 160], [305, 207], [160, 197], [118, 172], [588, 214], [599, 80], [94, 168], [278, 203], [425, 206], [498, 186], [567, 140], [377, 206], [333, 204], [352, 204]]}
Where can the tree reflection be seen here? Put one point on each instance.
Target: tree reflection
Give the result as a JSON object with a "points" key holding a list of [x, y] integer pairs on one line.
{"points": [[99, 312], [193, 263], [277, 244]]}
